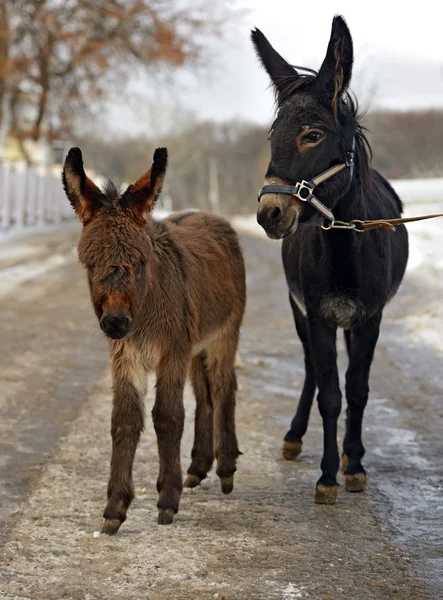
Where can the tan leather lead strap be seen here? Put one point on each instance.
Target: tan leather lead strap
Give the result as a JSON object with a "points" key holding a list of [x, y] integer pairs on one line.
{"points": [[390, 223]]}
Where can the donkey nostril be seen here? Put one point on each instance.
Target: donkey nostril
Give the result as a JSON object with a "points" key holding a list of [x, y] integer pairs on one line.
{"points": [[275, 215], [115, 326]]}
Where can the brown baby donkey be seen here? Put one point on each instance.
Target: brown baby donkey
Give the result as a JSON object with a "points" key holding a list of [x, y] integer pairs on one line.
{"points": [[170, 296]]}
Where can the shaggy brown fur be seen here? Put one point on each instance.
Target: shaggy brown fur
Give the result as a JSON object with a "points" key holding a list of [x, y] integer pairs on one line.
{"points": [[170, 295]]}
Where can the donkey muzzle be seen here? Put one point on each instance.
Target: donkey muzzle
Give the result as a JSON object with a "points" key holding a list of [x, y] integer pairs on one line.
{"points": [[115, 326], [278, 214]]}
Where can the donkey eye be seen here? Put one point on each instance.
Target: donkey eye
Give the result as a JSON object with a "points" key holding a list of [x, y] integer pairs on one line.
{"points": [[312, 136], [270, 134]]}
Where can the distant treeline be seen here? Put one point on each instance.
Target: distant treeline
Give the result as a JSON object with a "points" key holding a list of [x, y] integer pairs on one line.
{"points": [[222, 165]]}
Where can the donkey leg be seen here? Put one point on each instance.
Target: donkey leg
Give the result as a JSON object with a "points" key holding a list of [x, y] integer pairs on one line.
{"points": [[344, 457], [292, 445], [223, 386], [126, 426], [322, 336], [168, 415], [203, 449], [363, 341]]}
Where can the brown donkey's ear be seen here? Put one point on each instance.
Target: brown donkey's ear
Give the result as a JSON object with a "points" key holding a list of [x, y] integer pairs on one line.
{"points": [[85, 197], [143, 194]]}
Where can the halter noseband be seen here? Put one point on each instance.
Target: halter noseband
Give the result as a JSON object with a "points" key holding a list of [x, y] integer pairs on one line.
{"points": [[304, 190]]}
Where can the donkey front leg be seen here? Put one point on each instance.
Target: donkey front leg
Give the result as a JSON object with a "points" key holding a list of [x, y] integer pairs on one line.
{"points": [[168, 415], [322, 337], [292, 445], [361, 346], [126, 426]]}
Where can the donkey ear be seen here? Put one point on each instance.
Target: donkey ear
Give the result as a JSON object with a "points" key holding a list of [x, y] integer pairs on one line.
{"points": [[85, 197], [282, 74], [143, 194], [336, 71]]}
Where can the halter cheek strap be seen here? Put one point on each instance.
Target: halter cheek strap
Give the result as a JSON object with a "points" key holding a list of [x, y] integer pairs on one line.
{"points": [[304, 190]]}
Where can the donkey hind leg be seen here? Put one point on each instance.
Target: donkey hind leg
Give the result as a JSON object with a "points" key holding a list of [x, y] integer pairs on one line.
{"points": [[126, 426], [223, 387], [292, 445], [362, 347], [203, 449], [168, 415]]}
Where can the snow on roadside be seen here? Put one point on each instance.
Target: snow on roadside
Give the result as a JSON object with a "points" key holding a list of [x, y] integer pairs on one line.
{"points": [[14, 277], [248, 224], [419, 190]]}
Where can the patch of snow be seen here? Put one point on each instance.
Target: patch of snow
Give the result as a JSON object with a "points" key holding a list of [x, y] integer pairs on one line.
{"points": [[291, 592], [425, 246], [13, 277], [248, 224], [419, 190], [26, 232], [19, 251]]}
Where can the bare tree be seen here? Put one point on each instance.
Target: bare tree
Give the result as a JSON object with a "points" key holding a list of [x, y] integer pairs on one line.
{"points": [[61, 57]]}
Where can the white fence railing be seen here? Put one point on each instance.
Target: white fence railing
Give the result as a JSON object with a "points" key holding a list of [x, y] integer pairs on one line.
{"points": [[31, 196]]}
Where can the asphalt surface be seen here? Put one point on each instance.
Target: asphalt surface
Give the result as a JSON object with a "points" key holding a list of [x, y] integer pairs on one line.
{"points": [[268, 539]]}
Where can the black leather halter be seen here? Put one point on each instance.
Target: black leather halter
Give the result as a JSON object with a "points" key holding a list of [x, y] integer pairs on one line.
{"points": [[304, 190]]}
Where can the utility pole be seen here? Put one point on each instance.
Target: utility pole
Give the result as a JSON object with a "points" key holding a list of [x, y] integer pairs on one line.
{"points": [[5, 109], [5, 112], [214, 196]]}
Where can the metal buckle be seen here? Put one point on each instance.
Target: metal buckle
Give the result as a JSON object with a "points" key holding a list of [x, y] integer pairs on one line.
{"points": [[349, 159], [304, 185]]}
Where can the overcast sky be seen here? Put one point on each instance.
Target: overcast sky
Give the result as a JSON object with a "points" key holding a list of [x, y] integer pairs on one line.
{"points": [[398, 56]]}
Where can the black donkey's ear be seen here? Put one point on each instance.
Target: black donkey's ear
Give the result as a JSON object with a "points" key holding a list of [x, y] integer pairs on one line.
{"points": [[282, 74]]}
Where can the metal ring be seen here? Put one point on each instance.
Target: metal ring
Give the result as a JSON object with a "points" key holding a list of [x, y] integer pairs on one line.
{"points": [[361, 228], [330, 226]]}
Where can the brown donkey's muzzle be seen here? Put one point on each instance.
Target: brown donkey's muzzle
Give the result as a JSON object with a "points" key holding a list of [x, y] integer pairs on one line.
{"points": [[115, 326], [116, 321]]}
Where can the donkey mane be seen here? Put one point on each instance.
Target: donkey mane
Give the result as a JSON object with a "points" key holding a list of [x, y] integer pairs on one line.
{"points": [[113, 197], [111, 193]]}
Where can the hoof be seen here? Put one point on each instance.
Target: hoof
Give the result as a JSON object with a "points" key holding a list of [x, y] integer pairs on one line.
{"points": [[326, 494], [355, 482], [192, 481], [344, 462], [165, 516], [111, 526], [227, 484], [291, 450]]}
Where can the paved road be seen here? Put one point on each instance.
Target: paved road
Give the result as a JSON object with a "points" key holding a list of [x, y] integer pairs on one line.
{"points": [[268, 539]]}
